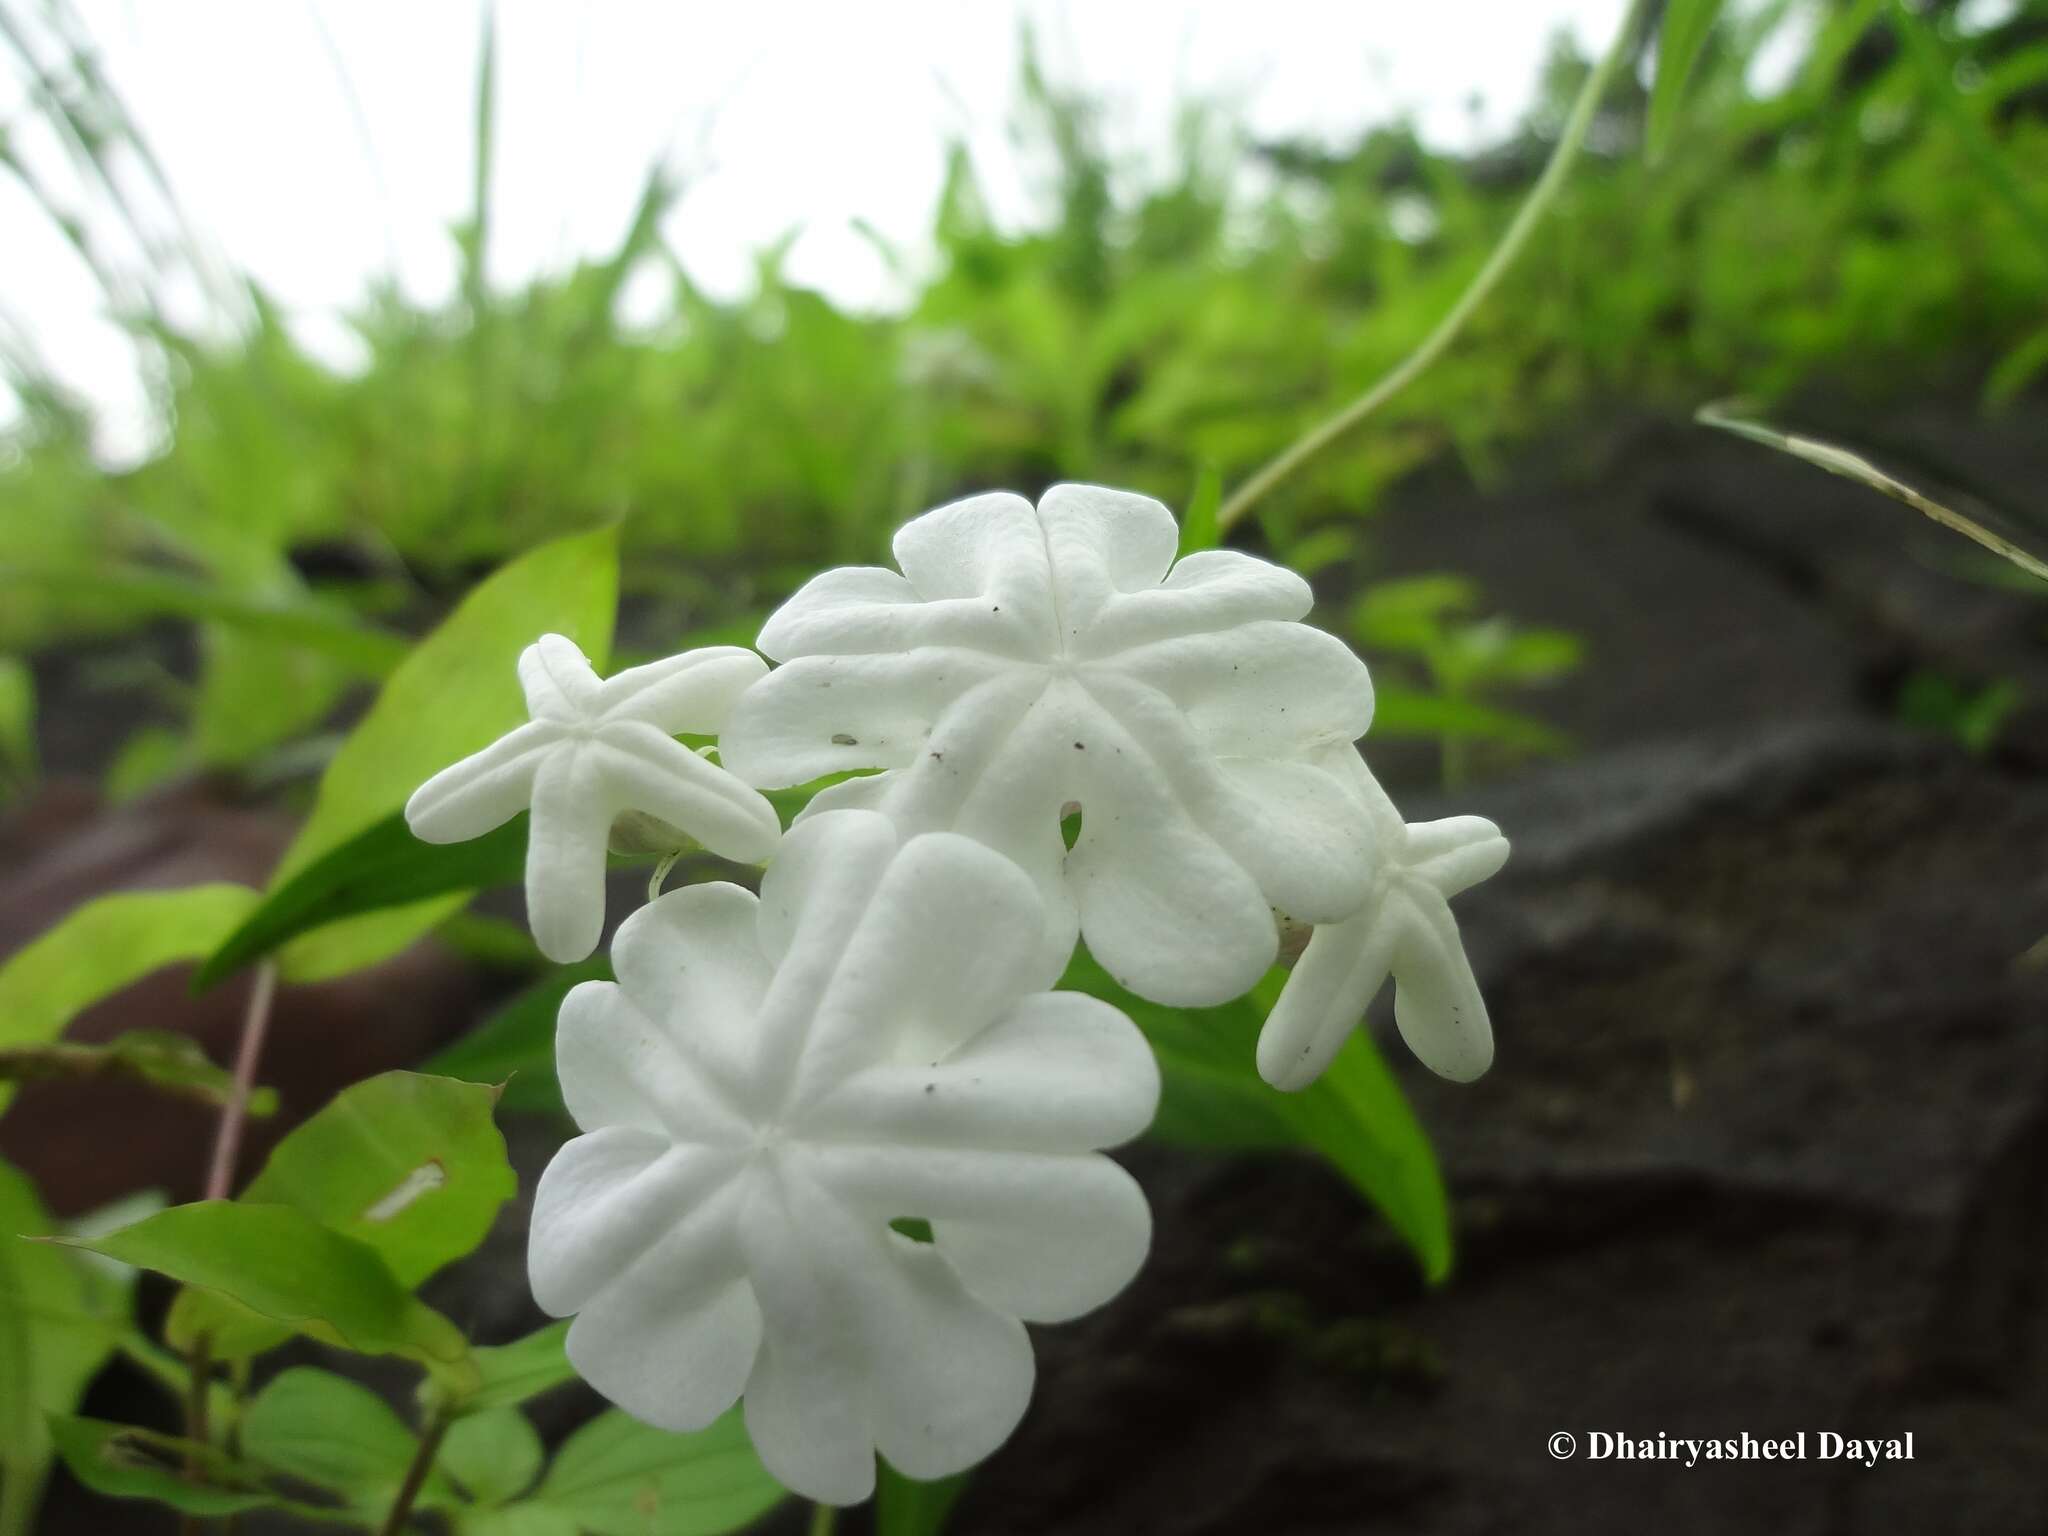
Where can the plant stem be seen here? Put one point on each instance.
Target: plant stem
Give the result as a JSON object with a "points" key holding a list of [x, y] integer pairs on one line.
{"points": [[227, 1141], [823, 1518], [1527, 217], [220, 1178], [416, 1474]]}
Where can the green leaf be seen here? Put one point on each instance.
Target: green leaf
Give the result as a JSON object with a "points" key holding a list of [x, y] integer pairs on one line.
{"points": [[494, 1456], [305, 624], [525, 1368], [125, 1462], [334, 1433], [1198, 529], [905, 1507], [58, 1321], [456, 693], [174, 1063], [383, 866], [1438, 717], [516, 1045], [1355, 1114], [411, 1167], [103, 946], [619, 1477], [1687, 26], [283, 1265]]}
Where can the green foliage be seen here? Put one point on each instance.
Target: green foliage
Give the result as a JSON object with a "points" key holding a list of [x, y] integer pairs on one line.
{"points": [[619, 1477], [100, 948], [409, 1166], [58, 1321], [283, 1265], [516, 1372], [17, 726], [1431, 622], [125, 1462], [1355, 1114], [172, 1063], [1683, 33], [516, 1045], [494, 1456], [906, 1507], [381, 867], [320, 1428]]}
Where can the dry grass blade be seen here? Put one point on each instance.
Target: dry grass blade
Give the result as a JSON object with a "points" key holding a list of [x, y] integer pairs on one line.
{"points": [[1727, 416]]}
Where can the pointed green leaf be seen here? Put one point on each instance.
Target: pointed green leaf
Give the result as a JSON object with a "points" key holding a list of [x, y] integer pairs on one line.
{"points": [[1687, 26], [281, 1264], [1355, 1114], [101, 947], [410, 1166]]}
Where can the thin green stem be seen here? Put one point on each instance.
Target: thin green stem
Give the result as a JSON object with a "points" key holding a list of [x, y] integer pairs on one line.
{"points": [[824, 1517], [1527, 217]]}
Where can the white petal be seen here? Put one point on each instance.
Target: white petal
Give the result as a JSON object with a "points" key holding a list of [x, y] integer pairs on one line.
{"points": [[949, 940], [558, 680], [822, 878], [870, 1342], [694, 691], [1265, 689], [604, 1201], [1325, 998], [828, 714], [1103, 542], [1456, 853], [982, 546], [484, 790], [619, 1065], [1060, 1071], [673, 1338], [692, 962], [1437, 1002], [1307, 844], [1214, 591], [645, 770], [565, 856], [867, 611]]}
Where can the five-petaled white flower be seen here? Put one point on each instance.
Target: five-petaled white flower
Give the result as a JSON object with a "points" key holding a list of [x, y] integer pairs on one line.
{"points": [[1029, 661], [770, 1085], [1405, 930], [594, 751]]}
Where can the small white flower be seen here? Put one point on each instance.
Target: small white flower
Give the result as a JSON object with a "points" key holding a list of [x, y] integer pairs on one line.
{"points": [[1405, 930], [768, 1086], [1028, 661], [594, 751]]}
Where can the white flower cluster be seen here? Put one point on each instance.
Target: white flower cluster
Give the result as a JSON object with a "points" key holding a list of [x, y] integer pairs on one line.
{"points": [[776, 1087]]}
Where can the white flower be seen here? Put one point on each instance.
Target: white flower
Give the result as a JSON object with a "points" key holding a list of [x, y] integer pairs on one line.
{"points": [[1028, 661], [1405, 929], [768, 1086], [595, 751]]}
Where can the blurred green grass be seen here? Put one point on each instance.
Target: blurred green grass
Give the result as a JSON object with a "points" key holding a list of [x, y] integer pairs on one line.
{"points": [[1871, 227]]}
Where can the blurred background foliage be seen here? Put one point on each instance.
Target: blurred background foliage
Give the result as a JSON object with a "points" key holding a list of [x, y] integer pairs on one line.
{"points": [[1864, 225]]}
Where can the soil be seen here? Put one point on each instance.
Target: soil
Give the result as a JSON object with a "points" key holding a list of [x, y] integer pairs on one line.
{"points": [[1765, 1149]]}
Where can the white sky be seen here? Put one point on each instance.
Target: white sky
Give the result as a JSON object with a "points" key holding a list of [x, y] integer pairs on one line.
{"points": [[782, 116]]}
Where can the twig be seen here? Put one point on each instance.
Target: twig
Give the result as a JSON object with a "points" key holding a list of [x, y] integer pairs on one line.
{"points": [[416, 1474], [1526, 219], [220, 1178]]}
